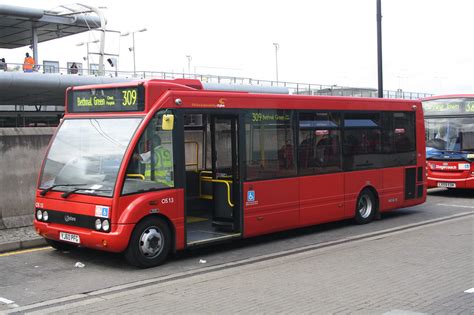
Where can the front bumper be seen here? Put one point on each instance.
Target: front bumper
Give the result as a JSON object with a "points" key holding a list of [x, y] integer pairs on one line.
{"points": [[461, 183], [115, 241]]}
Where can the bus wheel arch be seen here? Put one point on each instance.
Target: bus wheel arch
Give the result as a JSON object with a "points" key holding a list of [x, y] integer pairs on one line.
{"points": [[151, 241], [367, 205]]}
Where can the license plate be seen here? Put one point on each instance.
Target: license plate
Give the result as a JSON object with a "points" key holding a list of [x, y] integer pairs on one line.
{"points": [[68, 237], [448, 185]]}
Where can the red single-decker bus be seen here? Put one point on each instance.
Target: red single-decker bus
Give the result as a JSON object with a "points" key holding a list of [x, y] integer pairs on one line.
{"points": [[151, 167], [449, 121]]}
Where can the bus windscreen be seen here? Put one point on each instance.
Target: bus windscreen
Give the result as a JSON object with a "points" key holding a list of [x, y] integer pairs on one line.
{"points": [[118, 99]]}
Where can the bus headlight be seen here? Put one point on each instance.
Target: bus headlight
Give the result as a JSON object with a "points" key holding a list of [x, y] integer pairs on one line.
{"points": [[45, 216], [105, 225], [98, 224], [39, 215]]}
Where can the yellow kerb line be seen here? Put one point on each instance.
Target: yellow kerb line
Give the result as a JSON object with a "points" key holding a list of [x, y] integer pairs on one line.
{"points": [[24, 251]]}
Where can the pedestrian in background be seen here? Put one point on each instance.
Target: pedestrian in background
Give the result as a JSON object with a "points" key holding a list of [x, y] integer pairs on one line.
{"points": [[28, 64], [73, 68], [3, 64]]}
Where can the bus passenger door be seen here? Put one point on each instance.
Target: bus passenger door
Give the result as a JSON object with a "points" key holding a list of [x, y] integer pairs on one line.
{"points": [[212, 177], [225, 175]]}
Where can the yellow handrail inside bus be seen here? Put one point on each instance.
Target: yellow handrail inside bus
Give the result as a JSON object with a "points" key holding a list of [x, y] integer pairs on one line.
{"points": [[211, 180], [142, 177], [193, 164]]}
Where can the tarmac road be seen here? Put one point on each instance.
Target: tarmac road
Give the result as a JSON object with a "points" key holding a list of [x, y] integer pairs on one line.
{"points": [[43, 275]]}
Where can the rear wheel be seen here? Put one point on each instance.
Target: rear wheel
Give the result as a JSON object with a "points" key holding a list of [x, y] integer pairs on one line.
{"points": [[149, 244], [366, 207], [62, 246]]}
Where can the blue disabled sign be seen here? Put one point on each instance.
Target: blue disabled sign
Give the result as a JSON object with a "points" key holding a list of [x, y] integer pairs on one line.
{"points": [[251, 195], [105, 212]]}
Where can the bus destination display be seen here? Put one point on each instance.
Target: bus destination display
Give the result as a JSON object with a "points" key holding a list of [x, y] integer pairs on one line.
{"points": [[122, 99], [449, 106]]}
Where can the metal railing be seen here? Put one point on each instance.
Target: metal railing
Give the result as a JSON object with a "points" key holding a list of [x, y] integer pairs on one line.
{"points": [[293, 87]]}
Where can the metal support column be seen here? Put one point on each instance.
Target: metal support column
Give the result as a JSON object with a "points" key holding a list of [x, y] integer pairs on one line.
{"points": [[34, 44]]}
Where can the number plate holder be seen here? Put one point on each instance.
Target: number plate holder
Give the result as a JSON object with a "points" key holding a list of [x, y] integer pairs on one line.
{"points": [[446, 185], [68, 237]]}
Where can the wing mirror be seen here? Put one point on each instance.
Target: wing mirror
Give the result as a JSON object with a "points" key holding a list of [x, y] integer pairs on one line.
{"points": [[167, 122]]}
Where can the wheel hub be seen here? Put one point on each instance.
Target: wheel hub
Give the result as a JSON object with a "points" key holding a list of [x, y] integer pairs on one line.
{"points": [[365, 206], [151, 242]]}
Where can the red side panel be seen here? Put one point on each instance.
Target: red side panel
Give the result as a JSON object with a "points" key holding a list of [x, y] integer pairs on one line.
{"points": [[270, 206], [321, 198], [393, 192]]}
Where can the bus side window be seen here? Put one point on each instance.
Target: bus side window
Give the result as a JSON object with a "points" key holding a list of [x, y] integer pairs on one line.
{"points": [[319, 149], [270, 144], [285, 156]]}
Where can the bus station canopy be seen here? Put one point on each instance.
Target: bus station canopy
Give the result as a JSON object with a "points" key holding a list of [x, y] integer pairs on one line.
{"points": [[17, 24], [21, 26]]}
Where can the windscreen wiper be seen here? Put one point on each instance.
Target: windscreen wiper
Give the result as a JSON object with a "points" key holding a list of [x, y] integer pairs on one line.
{"points": [[46, 190], [68, 193]]}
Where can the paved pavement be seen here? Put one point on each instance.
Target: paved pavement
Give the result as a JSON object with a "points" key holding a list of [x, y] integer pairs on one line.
{"points": [[424, 269], [19, 238]]}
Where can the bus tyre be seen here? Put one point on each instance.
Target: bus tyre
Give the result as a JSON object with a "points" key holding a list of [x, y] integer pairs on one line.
{"points": [[62, 246], [149, 244], [366, 207]]}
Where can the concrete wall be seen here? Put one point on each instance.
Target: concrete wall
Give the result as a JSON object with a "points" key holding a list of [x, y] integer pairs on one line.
{"points": [[21, 154]]}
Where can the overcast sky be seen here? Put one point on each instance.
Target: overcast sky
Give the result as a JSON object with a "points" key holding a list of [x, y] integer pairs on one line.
{"points": [[428, 45]]}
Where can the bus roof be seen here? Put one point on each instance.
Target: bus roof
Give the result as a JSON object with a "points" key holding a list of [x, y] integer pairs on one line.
{"points": [[110, 98], [448, 96]]}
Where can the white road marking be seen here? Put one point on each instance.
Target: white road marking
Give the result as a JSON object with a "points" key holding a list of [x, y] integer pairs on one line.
{"points": [[6, 301], [9, 303], [471, 290], [456, 206]]}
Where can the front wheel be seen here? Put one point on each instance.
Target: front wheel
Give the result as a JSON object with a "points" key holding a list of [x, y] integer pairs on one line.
{"points": [[366, 207], [149, 244]]}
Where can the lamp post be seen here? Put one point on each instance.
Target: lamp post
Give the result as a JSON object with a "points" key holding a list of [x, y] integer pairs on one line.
{"points": [[277, 46], [379, 49], [132, 49], [87, 47], [189, 63]]}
